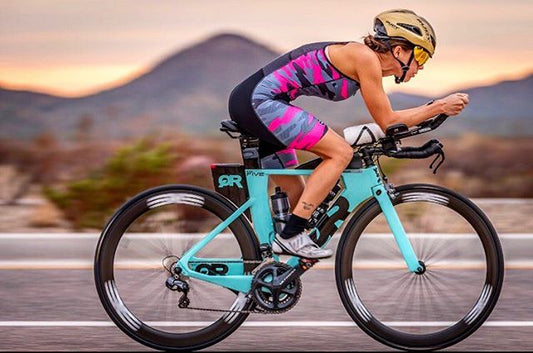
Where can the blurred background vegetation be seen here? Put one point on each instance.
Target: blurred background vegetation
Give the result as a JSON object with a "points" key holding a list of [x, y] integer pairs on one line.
{"points": [[80, 158], [87, 180]]}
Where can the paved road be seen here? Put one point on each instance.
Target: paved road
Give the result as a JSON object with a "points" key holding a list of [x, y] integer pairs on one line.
{"points": [[69, 295], [38, 305]]}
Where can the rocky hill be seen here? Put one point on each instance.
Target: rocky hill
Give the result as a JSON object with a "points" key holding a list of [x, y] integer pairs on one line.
{"points": [[188, 92]]}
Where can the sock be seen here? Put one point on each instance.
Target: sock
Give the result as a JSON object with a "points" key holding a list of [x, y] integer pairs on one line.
{"points": [[295, 225]]}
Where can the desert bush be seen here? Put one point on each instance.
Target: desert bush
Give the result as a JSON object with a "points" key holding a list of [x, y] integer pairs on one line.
{"points": [[46, 215], [88, 202]]}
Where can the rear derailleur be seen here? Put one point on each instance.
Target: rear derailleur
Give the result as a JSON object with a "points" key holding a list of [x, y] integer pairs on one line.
{"points": [[175, 281]]}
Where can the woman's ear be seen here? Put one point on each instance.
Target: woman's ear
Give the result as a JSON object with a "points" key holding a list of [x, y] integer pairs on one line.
{"points": [[397, 51]]}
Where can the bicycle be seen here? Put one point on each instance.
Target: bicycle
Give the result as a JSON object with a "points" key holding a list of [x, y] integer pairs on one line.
{"points": [[179, 267]]}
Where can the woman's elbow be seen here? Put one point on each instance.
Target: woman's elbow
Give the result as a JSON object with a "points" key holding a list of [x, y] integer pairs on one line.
{"points": [[388, 121]]}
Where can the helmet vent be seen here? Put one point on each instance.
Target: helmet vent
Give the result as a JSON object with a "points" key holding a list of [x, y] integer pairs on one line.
{"points": [[411, 28], [379, 28]]}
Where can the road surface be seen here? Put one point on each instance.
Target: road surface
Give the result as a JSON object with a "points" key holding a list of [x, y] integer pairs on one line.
{"points": [[49, 303]]}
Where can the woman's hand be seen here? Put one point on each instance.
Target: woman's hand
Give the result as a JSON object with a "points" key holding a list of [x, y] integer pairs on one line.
{"points": [[454, 103]]}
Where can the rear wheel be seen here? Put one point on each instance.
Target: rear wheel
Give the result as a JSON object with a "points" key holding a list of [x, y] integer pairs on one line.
{"points": [[136, 254], [455, 294]]}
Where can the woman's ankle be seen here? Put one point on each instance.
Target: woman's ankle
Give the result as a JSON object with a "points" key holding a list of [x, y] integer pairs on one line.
{"points": [[295, 225]]}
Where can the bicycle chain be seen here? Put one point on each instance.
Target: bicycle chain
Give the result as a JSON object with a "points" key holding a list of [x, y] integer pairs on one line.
{"points": [[256, 310], [253, 311]]}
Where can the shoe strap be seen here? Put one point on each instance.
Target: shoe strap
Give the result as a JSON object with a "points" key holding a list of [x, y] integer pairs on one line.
{"points": [[303, 240]]}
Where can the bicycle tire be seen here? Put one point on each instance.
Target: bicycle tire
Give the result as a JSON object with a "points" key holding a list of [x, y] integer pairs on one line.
{"points": [[454, 331], [111, 295]]}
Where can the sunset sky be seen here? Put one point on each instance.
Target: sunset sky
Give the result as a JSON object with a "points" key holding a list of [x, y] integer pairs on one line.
{"points": [[75, 47]]}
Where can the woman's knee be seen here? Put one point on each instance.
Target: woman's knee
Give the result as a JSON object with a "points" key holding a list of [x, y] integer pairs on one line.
{"points": [[346, 153], [334, 147], [342, 154]]}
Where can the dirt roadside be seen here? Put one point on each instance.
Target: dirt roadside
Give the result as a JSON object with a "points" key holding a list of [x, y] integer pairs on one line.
{"points": [[34, 214]]}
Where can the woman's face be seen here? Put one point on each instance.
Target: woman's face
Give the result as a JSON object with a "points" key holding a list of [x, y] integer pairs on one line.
{"points": [[404, 56]]}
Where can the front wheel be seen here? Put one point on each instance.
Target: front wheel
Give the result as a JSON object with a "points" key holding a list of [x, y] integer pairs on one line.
{"points": [[444, 304], [138, 251]]}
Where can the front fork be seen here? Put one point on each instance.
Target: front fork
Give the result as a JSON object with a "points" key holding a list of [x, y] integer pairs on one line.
{"points": [[384, 200]]}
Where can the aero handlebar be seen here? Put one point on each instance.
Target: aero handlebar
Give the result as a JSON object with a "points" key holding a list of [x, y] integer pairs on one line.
{"points": [[433, 147], [426, 150], [425, 126]]}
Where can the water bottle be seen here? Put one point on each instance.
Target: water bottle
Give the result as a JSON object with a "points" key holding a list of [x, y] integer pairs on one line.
{"points": [[363, 134], [280, 207]]}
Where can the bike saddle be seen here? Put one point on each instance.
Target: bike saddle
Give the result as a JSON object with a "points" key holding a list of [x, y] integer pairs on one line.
{"points": [[231, 128], [229, 125]]}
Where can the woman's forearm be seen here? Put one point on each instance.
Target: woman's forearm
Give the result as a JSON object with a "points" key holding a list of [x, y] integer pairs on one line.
{"points": [[414, 116]]}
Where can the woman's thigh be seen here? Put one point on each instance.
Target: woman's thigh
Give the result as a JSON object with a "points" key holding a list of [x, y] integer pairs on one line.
{"points": [[332, 145], [291, 125]]}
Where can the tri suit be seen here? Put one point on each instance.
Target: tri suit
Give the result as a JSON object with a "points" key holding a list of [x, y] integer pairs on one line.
{"points": [[261, 104]]}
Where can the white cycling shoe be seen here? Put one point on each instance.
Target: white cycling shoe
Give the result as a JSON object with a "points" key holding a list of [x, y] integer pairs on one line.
{"points": [[300, 245]]}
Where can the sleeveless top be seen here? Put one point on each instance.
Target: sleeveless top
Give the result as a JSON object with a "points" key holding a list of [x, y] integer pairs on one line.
{"points": [[303, 71]]}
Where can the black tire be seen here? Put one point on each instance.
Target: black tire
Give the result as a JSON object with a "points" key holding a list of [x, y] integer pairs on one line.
{"points": [[133, 292], [474, 278]]}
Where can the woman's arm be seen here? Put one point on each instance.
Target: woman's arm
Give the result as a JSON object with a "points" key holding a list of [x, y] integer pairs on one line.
{"points": [[378, 104]]}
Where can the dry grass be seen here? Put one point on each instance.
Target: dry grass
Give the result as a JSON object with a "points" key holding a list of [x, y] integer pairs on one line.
{"points": [[46, 215]]}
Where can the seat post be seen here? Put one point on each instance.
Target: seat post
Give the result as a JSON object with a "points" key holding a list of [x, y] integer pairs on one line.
{"points": [[249, 144], [250, 152]]}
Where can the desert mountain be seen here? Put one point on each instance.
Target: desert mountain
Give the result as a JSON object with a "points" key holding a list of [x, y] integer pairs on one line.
{"points": [[188, 92]]}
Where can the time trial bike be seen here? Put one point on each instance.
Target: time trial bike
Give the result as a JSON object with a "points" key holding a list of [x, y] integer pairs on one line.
{"points": [[418, 266]]}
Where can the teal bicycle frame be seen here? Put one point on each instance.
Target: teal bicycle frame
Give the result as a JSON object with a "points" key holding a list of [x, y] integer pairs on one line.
{"points": [[359, 185]]}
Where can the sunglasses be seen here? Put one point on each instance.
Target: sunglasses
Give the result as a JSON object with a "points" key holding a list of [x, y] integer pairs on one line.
{"points": [[421, 55]]}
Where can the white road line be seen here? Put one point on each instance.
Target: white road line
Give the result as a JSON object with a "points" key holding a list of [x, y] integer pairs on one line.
{"points": [[280, 323], [95, 236], [38, 264], [500, 201], [80, 236]]}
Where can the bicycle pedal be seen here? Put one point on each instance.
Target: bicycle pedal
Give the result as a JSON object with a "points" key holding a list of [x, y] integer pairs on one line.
{"points": [[306, 264]]}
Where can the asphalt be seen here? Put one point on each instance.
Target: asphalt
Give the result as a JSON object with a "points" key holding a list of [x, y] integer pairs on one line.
{"points": [[54, 307]]}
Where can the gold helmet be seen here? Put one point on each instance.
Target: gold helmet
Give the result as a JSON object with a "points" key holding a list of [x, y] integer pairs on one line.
{"points": [[407, 25]]}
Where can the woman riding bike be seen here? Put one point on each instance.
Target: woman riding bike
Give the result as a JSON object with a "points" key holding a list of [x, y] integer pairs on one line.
{"points": [[400, 46]]}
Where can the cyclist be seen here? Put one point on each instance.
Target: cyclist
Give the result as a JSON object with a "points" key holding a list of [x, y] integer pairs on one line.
{"points": [[400, 46]]}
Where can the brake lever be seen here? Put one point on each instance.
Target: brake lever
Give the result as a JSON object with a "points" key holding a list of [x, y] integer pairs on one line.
{"points": [[440, 155]]}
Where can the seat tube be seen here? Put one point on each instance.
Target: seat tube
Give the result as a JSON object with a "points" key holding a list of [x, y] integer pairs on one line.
{"points": [[396, 227]]}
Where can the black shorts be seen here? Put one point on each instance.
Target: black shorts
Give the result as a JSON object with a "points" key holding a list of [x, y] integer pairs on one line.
{"points": [[273, 153]]}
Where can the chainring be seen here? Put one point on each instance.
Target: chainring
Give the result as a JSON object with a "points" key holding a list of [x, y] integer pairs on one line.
{"points": [[271, 296]]}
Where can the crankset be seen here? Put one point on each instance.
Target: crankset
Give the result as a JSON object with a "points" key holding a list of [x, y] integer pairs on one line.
{"points": [[274, 289]]}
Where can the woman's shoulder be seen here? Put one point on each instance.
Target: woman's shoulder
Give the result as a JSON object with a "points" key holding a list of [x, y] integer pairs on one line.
{"points": [[353, 54], [359, 51]]}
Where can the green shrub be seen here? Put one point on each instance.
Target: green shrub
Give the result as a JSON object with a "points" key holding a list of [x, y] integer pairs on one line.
{"points": [[87, 203]]}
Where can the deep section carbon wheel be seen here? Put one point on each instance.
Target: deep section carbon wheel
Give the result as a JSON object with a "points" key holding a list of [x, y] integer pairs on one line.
{"points": [[454, 293], [136, 277]]}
